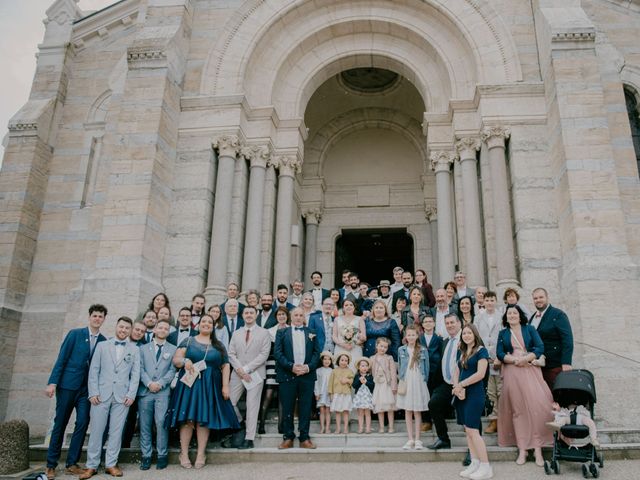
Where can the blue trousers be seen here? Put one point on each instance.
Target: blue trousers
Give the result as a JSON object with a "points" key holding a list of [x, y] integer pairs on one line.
{"points": [[152, 408], [298, 390], [66, 402]]}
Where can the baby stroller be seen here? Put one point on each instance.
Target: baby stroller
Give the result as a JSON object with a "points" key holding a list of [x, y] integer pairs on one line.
{"points": [[575, 387]]}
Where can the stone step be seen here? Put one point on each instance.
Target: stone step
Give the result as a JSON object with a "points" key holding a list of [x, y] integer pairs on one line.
{"points": [[616, 451]]}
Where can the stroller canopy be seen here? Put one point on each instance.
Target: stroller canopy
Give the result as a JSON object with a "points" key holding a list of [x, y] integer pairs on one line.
{"points": [[575, 387]]}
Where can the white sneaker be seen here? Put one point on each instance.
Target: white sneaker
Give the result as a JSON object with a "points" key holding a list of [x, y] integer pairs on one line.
{"points": [[473, 466], [418, 445], [409, 445], [484, 472]]}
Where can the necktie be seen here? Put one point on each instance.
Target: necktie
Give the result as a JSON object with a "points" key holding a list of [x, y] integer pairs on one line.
{"points": [[246, 336], [148, 336], [299, 329], [94, 339], [158, 352], [406, 294], [121, 344], [447, 366], [233, 325]]}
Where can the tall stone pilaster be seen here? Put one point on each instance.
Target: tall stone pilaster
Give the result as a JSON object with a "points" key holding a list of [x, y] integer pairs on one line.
{"points": [[312, 217], [441, 162], [431, 213], [268, 227]]}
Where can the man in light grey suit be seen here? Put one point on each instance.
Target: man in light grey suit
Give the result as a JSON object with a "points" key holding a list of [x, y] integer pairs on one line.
{"points": [[156, 373], [248, 352], [114, 376]]}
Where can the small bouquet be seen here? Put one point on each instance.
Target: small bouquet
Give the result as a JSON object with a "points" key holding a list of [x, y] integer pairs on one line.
{"points": [[350, 334]]}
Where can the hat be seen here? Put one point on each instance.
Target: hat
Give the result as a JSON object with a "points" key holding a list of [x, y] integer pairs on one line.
{"points": [[363, 359], [326, 354], [385, 283], [338, 355]]}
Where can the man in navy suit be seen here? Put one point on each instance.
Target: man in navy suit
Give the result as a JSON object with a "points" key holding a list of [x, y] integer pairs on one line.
{"points": [[233, 293], [319, 293], [68, 382], [555, 331], [232, 320], [184, 329], [267, 316], [322, 323], [297, 353], [282, 294]]}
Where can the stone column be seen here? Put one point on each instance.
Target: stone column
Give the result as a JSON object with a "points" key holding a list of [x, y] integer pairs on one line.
{"points": [[431, 213], [288, 166], [467, 148], [259, 157], [495, 137], [228, 147], [311, 240], [441, 162], [268, 218]]}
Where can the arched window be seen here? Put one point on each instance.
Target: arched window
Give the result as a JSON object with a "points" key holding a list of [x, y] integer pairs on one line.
{"points": [[633, 109]]}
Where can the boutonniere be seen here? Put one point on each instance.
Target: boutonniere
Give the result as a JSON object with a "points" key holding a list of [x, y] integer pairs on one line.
{"points": [[127, 358], [312, 336], [165, 356]]}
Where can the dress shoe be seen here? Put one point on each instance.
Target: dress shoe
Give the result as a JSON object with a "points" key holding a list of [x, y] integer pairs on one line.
{"points": [[246, 445], [73, 470], [492, 427], [308, 444], [288, 443], [88, 473], [426, 427], [145, 464], [439, 444], [467, 460], [162, 463], [261, 429], [50, 473], [227, 442], [114, 471]]}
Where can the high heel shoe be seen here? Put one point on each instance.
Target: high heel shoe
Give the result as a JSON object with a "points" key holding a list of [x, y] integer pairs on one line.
{"points": [[184, 461], [200, 462]]}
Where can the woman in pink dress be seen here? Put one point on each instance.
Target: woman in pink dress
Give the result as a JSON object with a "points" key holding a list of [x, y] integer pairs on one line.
{"points": [[526, 399]]}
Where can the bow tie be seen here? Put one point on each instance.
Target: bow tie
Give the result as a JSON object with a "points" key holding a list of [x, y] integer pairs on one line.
{"points": [[298, 329], [481, 307], [122, 344], [185, 329]]}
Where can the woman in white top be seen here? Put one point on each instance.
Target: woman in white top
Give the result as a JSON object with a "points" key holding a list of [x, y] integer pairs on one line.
{"points": [[349, 333]]}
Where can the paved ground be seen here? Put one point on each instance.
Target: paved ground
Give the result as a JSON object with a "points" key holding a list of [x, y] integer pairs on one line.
{"points": [[614, 470]]}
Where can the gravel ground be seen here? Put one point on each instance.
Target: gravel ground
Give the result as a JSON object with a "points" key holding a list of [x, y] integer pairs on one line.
{"points": [[615, 470]]}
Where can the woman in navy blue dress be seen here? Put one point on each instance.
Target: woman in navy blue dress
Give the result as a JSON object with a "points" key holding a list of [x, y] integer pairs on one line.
{"points": [[468, 388], [380, 325], [204, 405]]}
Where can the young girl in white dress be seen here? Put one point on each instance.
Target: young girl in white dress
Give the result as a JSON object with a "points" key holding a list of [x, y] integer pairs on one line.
{"points": [[385, 378], [413, 395], [321, 390], [363, 398]]}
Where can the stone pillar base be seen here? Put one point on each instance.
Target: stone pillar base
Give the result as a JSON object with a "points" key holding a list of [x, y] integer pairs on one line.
{"points": [[214, 294]]}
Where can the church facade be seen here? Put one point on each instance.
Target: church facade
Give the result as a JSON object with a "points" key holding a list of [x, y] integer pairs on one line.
{"points": [[178, 145]]}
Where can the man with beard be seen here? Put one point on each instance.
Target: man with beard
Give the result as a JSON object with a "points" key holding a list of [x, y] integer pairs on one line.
{"points": [[267, 316], [197, 310], [407, 283], [297, 288], [354, 295], [319, 293], [282, 293]]}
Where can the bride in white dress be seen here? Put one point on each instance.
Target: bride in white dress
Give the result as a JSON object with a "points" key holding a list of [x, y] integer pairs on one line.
{"points": [[349, 333]]}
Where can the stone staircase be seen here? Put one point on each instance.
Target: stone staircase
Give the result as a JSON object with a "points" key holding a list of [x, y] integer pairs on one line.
{"points": [[617, 443]]}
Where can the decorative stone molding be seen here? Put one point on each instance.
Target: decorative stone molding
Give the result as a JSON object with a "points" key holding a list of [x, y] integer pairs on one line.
{"points": [[258, 155], [495, 136], [287, 165], [146, 57], [431, 213], [227, 145], [467, 148], [580, 36], [312, 215], [442, 160]]}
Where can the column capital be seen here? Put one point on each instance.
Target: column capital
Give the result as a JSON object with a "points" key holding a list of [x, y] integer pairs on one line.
{"points": [[287, 165], [312, 215], [441, 160], [431, 213], [227, 145], [495, 135], [258, 155], [467, 147]]}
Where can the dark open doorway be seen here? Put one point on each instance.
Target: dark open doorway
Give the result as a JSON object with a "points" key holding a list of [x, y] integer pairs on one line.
{"points": [[373, 253]]}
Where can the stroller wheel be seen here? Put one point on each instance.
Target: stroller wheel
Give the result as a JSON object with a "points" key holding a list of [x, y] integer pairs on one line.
{"points": [[593, 468], [547, 467], [555, 464], [585, 471]]}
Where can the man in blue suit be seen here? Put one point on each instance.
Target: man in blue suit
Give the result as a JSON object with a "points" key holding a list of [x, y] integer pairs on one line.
{"points": [[297, 354], [282, 294], [322, 323], [114, 376], [156, 373], [68, 382]]}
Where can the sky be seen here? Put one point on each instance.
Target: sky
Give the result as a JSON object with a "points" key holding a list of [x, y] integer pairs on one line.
{"points": [[21, 30]]}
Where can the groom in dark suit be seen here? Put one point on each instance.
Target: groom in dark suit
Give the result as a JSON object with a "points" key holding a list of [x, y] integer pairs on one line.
{"points": [[68, 382], [297, 353]]}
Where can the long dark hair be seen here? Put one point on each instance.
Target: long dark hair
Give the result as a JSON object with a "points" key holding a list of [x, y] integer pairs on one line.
{"points": [[215, 343], [472, 312], [467, 352], [166, 301], [523, 317]]}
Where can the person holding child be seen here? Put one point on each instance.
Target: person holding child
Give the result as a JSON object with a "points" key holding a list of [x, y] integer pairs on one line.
{"points": [[340, 383], [363, 399], [413, 395], [321, 390], [385, 378]]}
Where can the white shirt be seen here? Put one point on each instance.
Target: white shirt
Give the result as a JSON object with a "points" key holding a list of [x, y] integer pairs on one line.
{"points": [[450, 353], [298, 346], [155, 346], [489, 326], [182, 336], [317, 297], [120, 349], [440, 328], [264, 316], [427, 339], [535, 321], [395, 287]]}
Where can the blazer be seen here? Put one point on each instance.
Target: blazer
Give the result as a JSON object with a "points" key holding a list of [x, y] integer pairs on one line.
{"points": [[290, 306], [110, 379], [357, 383], [317, 323], [271, 319], [532, 342], [172, 338], [161, 371], [435, 349], [283, 354], [71, 369], [252, 356], [404, 360], [239, 324], [325, 293], [240, 308], [556, 334], [407, 315]]}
